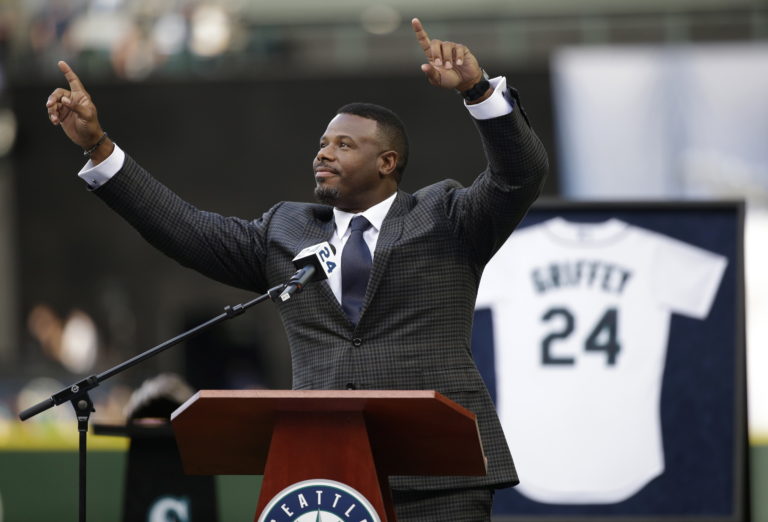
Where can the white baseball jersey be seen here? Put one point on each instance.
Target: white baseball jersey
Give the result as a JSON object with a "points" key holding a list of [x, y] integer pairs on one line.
{"points": [[581, 317]]}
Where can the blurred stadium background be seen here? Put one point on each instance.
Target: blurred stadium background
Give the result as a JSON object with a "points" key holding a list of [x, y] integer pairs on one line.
{"points": [[224, 100]]}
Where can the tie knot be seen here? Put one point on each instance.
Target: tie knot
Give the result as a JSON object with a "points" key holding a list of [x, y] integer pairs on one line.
{"points": [[359, 223]]}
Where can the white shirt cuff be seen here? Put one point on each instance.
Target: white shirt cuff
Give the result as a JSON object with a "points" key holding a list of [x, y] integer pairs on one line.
{"points": [[97, 175], [497, 104]]}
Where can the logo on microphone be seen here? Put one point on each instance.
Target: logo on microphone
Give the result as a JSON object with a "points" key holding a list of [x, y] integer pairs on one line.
{"points": [[315, 263], [319, 500], [322, 252]]}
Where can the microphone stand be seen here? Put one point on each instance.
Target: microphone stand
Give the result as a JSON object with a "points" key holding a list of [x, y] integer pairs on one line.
{"points": [[77, 393]]}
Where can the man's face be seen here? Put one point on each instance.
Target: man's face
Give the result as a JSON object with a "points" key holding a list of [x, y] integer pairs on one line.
{"points": [[348, 165]]}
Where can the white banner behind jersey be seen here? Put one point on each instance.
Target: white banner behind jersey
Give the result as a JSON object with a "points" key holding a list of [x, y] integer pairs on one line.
{"points": [[662, 122]]}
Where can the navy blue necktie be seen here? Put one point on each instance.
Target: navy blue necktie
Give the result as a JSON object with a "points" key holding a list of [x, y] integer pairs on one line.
{"points": [[355, 269]]}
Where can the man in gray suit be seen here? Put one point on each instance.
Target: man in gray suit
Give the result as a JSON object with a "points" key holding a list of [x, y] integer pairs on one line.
{"points": [[398, 312]]}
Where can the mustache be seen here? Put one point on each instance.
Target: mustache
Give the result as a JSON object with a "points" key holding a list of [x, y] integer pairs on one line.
{"points": [[325, 166]]}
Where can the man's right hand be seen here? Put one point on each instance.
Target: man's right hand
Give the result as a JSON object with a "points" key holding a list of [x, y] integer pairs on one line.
{"points": [[75, 112]]}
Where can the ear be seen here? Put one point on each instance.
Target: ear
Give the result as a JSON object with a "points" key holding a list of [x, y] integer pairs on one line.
{"points": [[388, 162]]}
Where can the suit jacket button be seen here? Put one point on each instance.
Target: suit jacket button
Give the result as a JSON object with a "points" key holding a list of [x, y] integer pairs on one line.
{"points": [[350, 386], [357, 342]]}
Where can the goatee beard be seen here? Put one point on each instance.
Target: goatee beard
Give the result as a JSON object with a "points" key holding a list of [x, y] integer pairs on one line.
{"points": [[327, 195]]}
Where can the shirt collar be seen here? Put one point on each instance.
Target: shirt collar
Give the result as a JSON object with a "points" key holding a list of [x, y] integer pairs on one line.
{"points": [[375, 215]]}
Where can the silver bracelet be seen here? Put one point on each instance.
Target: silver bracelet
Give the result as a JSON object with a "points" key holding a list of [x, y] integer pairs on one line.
{"points": [[90, 151]]}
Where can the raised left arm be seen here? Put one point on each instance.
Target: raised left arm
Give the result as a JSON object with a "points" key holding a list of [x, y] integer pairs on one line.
{"points": [[485, 214], [449, 65]]}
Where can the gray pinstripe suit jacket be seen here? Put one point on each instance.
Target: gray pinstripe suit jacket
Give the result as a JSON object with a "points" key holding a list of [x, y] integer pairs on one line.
{"points": [[415, 327]]}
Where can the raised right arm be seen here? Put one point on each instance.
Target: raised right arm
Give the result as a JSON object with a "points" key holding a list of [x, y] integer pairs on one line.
{"points": [[74, 111], [228, 249]]}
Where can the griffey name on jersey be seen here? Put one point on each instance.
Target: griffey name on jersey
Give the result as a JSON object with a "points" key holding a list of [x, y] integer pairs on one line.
{"points": [[581, 273]]}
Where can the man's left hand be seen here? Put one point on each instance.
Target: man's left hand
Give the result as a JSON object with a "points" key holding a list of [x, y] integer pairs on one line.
{"points": [[451, 65]]}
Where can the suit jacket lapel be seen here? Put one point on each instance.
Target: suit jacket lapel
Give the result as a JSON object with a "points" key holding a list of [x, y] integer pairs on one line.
{"points": [[390, 232]]}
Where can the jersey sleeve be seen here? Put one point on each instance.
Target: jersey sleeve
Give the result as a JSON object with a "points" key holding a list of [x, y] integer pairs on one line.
{"points": [[686, 277], [488, 292], [501, 275]]}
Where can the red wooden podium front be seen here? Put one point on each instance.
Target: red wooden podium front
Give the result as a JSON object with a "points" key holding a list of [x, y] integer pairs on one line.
{"points": [[354, 437]]}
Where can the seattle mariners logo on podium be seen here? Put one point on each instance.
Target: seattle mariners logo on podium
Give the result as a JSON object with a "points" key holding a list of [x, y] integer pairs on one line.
{"points": [[319, 500]]}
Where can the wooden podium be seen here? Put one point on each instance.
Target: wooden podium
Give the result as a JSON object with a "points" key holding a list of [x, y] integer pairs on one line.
{"points": [[357, 438]]}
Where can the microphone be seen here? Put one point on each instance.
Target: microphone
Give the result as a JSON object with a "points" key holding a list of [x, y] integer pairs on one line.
{"points": [[315, 263]]}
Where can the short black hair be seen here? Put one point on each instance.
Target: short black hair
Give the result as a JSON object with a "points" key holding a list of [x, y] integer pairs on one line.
{"points": [[390, 126]]}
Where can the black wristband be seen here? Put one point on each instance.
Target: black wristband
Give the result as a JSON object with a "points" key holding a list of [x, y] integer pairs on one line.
{"points": [[477, 90], [88, 152]]}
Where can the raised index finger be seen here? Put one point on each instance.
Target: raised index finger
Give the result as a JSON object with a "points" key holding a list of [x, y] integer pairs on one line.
{"points": [[74, 82], [422, 37]]}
